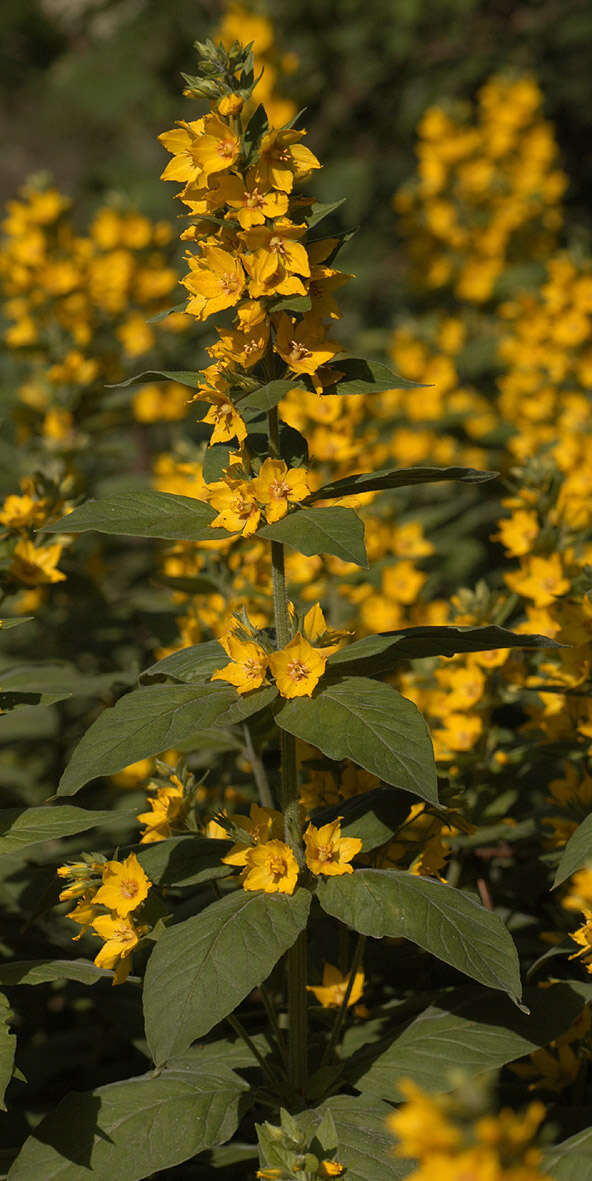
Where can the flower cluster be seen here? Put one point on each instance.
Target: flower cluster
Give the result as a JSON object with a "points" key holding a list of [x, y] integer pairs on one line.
{"points": [[108, 893], [296, 668], [488, 191], [449, 1144]]}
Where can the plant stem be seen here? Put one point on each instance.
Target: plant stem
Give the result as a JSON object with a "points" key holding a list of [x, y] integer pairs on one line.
{"points": [[242, 1033], [296, 959], [265, 796], [273, 1021], [340, 1018]]}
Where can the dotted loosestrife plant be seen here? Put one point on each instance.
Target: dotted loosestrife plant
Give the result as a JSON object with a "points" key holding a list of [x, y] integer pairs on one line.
{"points": [[248, 930]]}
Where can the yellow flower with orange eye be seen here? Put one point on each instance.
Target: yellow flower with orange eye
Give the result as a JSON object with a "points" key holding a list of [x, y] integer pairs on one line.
{"points": [[217, 148], [271, 867], [298, 667], [275, 257], [540, 579], [248, 664], [252, 198], [236, 505], [121, 936], [332, 991], [304, 346], [277, 486], [216, 280], [283, 159], [261, 825], [327, 852], [125, 886], [168, 810]]}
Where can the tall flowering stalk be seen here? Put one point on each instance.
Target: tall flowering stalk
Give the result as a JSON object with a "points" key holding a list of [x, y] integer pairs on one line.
{"points": [[228, 905]]}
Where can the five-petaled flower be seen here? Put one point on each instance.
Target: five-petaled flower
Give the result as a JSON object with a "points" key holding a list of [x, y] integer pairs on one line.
{"points": [[298, 667], [125, 885], [327, 852], [271, 867], [248, 664]]}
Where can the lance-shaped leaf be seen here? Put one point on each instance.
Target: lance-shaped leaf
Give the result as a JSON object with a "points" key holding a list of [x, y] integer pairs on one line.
{"points": [[195, 663], [472, 1032], [371, 724], [310, 531], [403, 477], [571, 1160], [440, 919], [181, 376], [21, 828], [154, 719], [143, 514], [577, 852], [133, 1129], [7, 1049], [376, 655], [43, 971], [201, 969], [184, 861], [367, 377]]}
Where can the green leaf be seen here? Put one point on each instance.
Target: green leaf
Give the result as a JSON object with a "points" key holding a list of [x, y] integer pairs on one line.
{"points": [[143, 514], [154, 719], [21, 828], [266, 397], [367, 377], [571, 1160], [469, 1032], [398, 478], [185, 860], [375, 655], [132, 1129], [440, 919], [371, 724], [182, 376], [203, 968], [43, 971], [7, 1049], [195, 663], [364, 1144], [320, 211], [310, 531], [577, 852], [6, 624], [166, 312], [215, 459]]}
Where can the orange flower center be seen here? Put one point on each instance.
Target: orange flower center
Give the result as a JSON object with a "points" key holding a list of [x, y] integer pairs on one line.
{"points": [[254, 199], [226, 148], [229, 282], [279, 488], [278, 867], [129, 888], [298, 351], [298, 671]]}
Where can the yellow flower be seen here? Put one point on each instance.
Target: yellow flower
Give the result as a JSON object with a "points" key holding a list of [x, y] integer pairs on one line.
{"points": [[20, 512], [169, 808], [283, 159], [125, 885], [298, 667], [216, 280], [271, 867], [262, 825], [275, 258], [216, 149], [252, 198], [327, 852], [223, 416], [277, 486], [237, 507], [421, 1124], [121, 937], [330, 1168], [332, 990], [34, 565], [540, 579], [303, 346], [518, 532], [248, 664], [580, 891]]}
